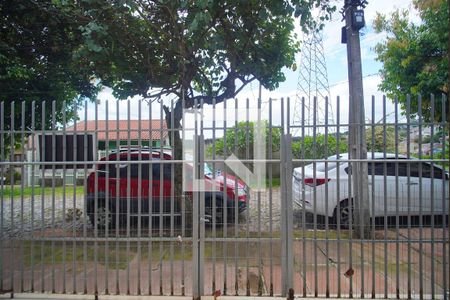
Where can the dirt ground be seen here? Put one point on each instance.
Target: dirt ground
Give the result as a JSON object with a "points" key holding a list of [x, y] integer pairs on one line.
{"points": [[241, 258]]}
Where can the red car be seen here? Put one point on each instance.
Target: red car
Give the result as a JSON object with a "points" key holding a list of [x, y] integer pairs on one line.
{"points": [[132, 181]]}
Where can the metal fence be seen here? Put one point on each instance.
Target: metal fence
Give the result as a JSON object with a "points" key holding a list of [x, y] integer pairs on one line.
{"points": [[126, 226]]}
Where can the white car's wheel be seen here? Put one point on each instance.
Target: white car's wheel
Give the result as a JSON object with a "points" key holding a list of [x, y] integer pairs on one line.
{"points": [[343, 213]]}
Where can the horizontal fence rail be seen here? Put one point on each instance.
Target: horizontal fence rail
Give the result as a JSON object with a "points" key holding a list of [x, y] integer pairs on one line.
{"points": [[256, 198]]}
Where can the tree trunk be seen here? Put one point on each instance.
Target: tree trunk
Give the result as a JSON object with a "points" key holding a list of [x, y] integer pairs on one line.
{"points": [[173, 122]]}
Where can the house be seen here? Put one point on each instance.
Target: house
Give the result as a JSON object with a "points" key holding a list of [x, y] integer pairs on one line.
{"points": [[117, 133], [111, 133]]}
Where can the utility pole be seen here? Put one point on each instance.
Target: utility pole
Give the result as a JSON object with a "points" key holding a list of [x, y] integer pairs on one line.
{"points": [[354, 21]]}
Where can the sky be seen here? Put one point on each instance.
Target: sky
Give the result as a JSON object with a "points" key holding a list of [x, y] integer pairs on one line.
{"points": [[336, 62]]}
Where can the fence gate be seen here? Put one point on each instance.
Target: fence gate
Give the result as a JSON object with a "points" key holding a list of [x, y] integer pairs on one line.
{"points": [[259, 202], [242, 246]]}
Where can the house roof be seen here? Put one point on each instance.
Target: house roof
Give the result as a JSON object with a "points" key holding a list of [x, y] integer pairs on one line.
{"points": [[123, 128]]}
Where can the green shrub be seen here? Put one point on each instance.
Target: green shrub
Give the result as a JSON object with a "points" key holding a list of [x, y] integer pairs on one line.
{"points": [[17, 177]]}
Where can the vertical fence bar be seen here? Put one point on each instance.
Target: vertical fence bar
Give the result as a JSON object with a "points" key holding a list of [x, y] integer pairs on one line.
{"points": [[214, 199], [64, 166], [128, 210], [53, 126], [43, 149], [289, 217], [408, 182], [286, 216], [283, 225], [373, 197], [385, 203], [184, 207], [139, 198], [432, 275], [11, 197], [247, 213], [397, 194], [150, 204], [85, 157], [315, 247], [360, 207], [302, 155], [108, 203], [118, 191], [172, 194], [224, 197], [195, 224], [350, 206], [33, 159], [202, 223], [22, 172], [161, 200], [270, 198], [74, 201], [258, 195], [338, 194], [419, 113], [96, 196]]}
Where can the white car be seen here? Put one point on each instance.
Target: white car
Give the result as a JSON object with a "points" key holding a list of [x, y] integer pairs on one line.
{"points": [[316, 184]]}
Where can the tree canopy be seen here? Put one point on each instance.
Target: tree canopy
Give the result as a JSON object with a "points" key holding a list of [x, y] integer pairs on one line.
{"points": [[415, 56], [194, 51], [37, 42], [319, 146], [190, 51], [243, 136]]}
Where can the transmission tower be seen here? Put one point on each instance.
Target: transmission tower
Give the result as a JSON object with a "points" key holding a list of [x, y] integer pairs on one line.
{"points": [[311, 105]]}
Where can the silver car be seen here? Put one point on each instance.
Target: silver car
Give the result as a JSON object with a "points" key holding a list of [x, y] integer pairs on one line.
{"points": [[423, 188]]}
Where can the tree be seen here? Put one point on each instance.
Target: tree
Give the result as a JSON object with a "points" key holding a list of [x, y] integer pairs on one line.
{"points": [[383, 137], [190, 52], [415, 56], [244, 134], [37, 43], [320, 146]]}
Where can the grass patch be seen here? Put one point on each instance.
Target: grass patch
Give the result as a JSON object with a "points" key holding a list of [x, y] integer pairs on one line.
{"points": [[17, 191], [45, 253], [276, 182], [321, 234], [297, 234]]}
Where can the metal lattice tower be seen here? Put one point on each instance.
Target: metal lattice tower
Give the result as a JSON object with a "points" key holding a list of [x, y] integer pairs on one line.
{"points": [[312, 84]]}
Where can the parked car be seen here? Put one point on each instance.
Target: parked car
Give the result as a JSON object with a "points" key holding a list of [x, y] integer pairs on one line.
{"points": [[132, 181], [425, 183]]}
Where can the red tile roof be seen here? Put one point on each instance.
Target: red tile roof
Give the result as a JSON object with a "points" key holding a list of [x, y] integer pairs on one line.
{"points": [[122, 128]]}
